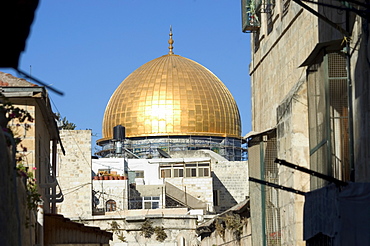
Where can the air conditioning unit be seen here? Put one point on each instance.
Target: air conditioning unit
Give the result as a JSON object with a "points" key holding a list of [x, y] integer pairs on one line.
{"points": [[250, 20]]}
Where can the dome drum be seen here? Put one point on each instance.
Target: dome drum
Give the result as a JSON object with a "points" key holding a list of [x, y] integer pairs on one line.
{"points": [[146, 147]]}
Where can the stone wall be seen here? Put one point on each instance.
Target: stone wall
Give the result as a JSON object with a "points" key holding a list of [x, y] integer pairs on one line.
{"points": [[35, 145], [275, 65], [229, 238], [180, 228], [293, 146], [200, 188], [74, 173], [279, 101], [230, 179]]}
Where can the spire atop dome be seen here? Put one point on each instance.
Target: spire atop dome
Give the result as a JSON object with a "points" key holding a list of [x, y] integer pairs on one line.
{"points": [[170, 42]]}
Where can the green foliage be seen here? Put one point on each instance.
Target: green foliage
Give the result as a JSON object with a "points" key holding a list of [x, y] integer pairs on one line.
{"points": [[63, 123], [114, 226], [147, 229], [235, 223], [232, 222], [33, 196], [8, 112], [220, 227], [116, 229], [121, 237], [161, 235]]}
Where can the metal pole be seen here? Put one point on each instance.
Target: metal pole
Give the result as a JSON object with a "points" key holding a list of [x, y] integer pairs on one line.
{"points": [[311, 172], [350, 106]]}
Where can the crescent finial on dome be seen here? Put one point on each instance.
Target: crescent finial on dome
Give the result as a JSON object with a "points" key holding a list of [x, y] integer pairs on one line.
{"points": [[170, 42]]}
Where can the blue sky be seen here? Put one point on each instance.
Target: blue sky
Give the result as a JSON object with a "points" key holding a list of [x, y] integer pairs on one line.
{"points": [[86, 48]]}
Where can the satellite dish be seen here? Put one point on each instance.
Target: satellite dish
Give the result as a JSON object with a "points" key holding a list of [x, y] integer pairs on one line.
{"points": [[163, 153]]}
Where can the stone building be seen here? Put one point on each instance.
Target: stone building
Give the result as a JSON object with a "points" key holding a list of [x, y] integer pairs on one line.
{"points": [[171, 156], [228, 228], [309, 76], [28, 154]]}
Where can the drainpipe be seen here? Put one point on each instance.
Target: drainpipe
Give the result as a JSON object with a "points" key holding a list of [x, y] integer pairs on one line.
{"points": [[54, 167], [350, 114], [263, 191], [40, 221]]}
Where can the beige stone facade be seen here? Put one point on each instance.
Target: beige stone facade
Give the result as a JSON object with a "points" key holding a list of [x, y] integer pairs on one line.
{"points": [[279, 101], [74, 173], [29, 188], [299, 114]]}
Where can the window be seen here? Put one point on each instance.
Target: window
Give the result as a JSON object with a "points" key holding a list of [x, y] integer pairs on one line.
{"points": [[328, 119], [110, 206], [151, 202], [139, 174], [197, 170], [166, 173], [192, 170], [216, 198], [172, 170], [178, 172], [182, 241], [203, 170]]}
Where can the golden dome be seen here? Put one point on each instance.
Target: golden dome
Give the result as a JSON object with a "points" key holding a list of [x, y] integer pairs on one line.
{"points": [[172, 96]]}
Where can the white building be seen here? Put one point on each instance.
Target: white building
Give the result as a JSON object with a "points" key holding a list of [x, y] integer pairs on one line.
{"points": [[171, 156]]}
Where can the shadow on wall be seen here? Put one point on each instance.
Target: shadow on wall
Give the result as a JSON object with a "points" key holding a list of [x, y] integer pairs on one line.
{"points": [[135, 198], [222, 199], [361, 108]]}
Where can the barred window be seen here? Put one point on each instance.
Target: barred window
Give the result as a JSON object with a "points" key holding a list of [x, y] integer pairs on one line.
{"points": [[328, 119]]}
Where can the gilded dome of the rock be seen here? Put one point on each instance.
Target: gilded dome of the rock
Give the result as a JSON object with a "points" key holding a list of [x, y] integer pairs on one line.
{"points": [[172, 96]]}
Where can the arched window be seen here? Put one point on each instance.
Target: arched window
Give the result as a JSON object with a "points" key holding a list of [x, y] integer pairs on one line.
{"points": [[110, 206], [181, 241]]}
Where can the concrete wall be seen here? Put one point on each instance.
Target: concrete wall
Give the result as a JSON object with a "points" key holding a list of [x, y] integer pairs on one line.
{"points": [[74, 173], [111, 190]]}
